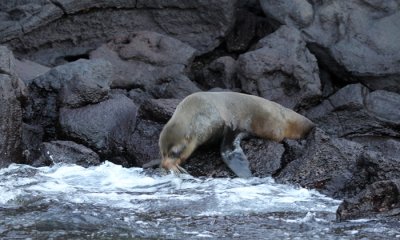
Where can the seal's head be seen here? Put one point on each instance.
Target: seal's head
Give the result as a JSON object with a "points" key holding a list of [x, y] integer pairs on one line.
{"points": [[176, 145]]}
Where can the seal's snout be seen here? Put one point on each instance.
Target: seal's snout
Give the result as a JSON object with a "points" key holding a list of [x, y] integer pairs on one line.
{"points": [[168, 163], [171, 164]]}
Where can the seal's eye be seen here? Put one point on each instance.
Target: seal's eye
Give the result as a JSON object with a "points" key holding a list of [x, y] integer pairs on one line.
{"points": [[176, 151]]}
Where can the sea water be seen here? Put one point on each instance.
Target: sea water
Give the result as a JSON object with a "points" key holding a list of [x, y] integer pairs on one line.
{"points": [[113, 202]]}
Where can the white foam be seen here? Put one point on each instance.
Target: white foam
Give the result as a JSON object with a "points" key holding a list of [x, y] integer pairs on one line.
{"points": [[205, 234], [352, 232], [268, 197], [6, 195], [129, 188], [362, 220]]}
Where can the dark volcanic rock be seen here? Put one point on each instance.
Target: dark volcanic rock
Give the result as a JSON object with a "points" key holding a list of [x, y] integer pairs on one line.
{"points": [[389, 147], [347, 102], [142, 144], [379, 199], [74, 84], [249, 27], [374, 166], [353, 111], [74, 6], [265, 156], [159, 110], [221, 73], [154, 48], [207, 161], [78, 83], [174, 87], [281, 69], [151, 61], [202, 24], [293, 13], [66, 152], [24, 16], [8, 67], [385, 106], [326, 164], [7, 61], [51, 32], [10, 122], [27, 70], [328, 83], [32, 137], [139, 96], [357, 40], [294, 149], [11, 90], [104, 127], [83, 90]]}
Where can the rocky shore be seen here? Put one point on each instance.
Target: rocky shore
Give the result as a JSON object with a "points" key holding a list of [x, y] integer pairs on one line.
{"points": [[88, 81]]}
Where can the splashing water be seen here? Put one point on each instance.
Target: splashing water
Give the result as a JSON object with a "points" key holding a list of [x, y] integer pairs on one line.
{"points": [[109, 202]]}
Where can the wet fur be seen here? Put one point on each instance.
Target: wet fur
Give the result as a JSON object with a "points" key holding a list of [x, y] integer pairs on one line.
{"points": [[206, 116]]}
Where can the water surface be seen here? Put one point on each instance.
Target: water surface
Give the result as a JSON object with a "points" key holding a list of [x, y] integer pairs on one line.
{"points": [[112, 202]]}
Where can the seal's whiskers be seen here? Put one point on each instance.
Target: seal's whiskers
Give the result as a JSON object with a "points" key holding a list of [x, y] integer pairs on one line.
{"points": [[182, 170]]}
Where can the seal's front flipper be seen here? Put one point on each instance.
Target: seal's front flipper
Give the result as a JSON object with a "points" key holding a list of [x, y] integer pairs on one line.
{"points": [[233, 155], [152, 164]]}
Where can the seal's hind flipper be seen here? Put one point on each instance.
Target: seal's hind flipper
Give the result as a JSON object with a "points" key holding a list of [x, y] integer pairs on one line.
{"points": [[233, 155], [237, 162]]}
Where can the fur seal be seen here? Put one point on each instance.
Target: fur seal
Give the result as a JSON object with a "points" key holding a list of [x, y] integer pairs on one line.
{"points": [[207, 116]]}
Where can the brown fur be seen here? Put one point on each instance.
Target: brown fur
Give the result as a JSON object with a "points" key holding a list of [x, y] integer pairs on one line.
{"points": [[202, 117]]}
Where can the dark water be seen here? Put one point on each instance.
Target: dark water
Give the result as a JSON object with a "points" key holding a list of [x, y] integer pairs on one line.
{"points": [[111, 202]]}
